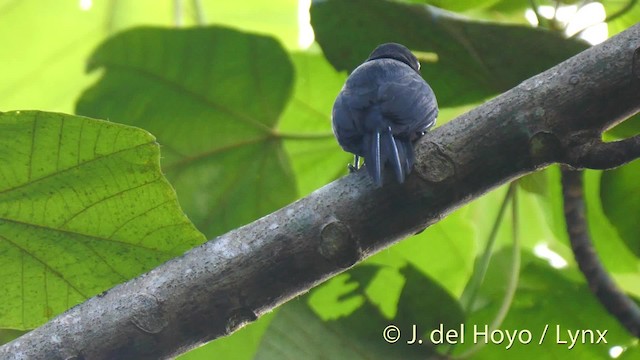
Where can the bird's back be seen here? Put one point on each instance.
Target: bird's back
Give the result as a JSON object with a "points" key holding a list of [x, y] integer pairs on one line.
{"points": [[384, 106]]}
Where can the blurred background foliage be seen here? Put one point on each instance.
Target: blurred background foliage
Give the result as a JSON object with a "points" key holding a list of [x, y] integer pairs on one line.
{"points": [[239, 96]]}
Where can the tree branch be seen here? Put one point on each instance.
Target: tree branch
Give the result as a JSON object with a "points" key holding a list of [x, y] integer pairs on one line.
{"points": [[595, 154], [216, 288], [602, 286]]}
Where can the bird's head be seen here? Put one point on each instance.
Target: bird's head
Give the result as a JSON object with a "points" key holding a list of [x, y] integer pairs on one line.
{"points": [[397, 52]]}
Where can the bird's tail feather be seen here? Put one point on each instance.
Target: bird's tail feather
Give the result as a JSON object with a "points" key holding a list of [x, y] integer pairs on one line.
{"points": [[374, 159], [383, 147], [406, 154], [392, 153]]}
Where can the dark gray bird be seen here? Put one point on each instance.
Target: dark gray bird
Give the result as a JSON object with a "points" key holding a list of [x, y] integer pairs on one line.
{"points": [[383, 108]]}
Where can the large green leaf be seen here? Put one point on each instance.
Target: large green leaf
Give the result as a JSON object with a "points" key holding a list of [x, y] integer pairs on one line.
{"points": [[615, 255], [544, 197], [212, 96], [545, 297], [475, 60], [42, 68], [454, 240], [277, 18], [298, 332], [540, 216], [626, 13], [44, 47], [620, 196], [83, 206]]}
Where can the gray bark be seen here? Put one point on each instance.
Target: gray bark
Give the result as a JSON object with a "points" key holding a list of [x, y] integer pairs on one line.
{"points": [[214, 289]]}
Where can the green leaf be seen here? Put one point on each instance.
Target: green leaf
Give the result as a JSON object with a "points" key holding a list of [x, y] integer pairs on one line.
{"points": [[544, 199], [535, 183], [628, 11], [616, 256], [83, 206], [298, 333], [475, 60], [626, 129], [7, 335], [316, 157], [277, 18], [459, 5], [426, 302], [512, 5], [242, 345], [451, 241], [545, 297], [213, 97], [48, 73], [541, 218], [513, 10], [620, 196]]}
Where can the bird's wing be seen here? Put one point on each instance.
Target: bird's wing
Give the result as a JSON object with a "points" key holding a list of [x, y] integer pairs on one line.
{"points": [[408, 103], [345, 124], [350, 113]]}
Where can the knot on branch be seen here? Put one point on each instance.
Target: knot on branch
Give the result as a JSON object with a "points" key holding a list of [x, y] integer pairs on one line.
{"points": [[148, 314], [437, 166], [338, 246]]}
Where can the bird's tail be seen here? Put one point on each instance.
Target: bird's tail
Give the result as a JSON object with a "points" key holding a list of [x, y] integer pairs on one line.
{"points": [[383, 147]]}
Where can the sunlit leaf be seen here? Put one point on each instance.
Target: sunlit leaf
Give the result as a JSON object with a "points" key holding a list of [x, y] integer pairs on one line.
{"points": [[83, 206], [616, 256], [445, 251], [627, 14], [545, 298], [626, 129], [545, 200], [620, 196], [45, 46]]}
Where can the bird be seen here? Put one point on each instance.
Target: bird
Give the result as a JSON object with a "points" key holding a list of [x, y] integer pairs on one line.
{"points": [[383, 108]]}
